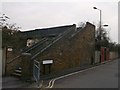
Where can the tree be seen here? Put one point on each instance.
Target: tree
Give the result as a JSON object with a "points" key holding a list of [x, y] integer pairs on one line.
{"points": [[101, 40], [81, 24], [11, 34]]}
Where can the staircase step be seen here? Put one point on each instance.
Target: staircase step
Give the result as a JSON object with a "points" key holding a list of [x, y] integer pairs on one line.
{"points": [[17, 74], [18, 71], [19, 68]]}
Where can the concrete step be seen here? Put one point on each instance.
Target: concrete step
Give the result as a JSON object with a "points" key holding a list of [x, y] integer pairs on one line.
{"points": [[18, 71], [19, 68], [17, 74]]}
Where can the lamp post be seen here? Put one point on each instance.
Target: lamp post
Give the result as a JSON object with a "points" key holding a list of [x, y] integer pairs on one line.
{"points": [[99, 29], [101, 39], [100, 20]]}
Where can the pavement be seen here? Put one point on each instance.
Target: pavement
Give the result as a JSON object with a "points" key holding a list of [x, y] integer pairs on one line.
{"points": [[0, 82], [12, 82]]}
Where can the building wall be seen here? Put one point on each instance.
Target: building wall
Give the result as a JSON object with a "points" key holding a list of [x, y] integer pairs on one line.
{"points": [[4, 61], [73, 50], [1, 63], [113, 55], [8, 62], [13, 61], [70, 52]]}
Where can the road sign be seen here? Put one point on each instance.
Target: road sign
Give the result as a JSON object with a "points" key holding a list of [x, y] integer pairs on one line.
{"points": [[47, 61], [10, 49]]}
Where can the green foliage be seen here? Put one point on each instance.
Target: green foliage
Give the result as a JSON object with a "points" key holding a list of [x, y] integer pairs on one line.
{"points": [[102, 40], [12, 38]]}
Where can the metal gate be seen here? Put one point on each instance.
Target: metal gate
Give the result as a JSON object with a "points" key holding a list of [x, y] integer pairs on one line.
{"points": [[36, 71]]}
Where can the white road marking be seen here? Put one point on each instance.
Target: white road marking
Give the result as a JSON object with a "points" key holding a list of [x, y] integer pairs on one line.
{"points": [[49, 84]]}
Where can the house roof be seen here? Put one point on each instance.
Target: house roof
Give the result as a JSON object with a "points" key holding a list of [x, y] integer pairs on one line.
{"points": [[46, 31]]}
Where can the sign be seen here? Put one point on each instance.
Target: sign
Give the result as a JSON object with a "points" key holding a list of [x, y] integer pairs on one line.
{"points": [[47, 61], [10, 49]]}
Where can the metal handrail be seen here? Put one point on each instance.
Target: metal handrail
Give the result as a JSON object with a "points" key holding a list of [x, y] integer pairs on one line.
{"points": [[35, 45], [13, 59], [59, 37], [27, 50]]}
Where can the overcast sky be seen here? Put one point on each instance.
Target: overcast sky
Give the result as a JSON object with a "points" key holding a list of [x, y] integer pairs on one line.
{"points": [[31, 15]]}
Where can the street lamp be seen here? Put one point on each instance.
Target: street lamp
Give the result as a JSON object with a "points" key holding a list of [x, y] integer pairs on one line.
{"points": [[105, 25], [100, 20], [101, 40]]}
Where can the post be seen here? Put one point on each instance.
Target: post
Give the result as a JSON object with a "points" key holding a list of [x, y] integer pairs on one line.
{"points": [[27, 67], [44, 69], [100, 23], [5, 61], [49, 68], [100, 31]]}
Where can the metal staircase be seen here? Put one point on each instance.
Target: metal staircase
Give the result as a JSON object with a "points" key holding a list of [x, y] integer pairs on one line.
{"points": [[41, 46]]}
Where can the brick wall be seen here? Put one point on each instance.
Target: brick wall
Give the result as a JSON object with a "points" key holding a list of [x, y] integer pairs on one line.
{"points": [[73, 50], [9, 65], [113, 55], [70, 52]]}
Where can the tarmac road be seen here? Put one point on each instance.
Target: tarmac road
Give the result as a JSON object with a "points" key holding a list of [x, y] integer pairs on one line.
{"points": [[103, 76]]}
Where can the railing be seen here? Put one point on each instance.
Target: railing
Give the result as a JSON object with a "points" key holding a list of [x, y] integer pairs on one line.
{"points": [[35, 45], [27, 50], [12, 63], [66, 33], [46, 46]]}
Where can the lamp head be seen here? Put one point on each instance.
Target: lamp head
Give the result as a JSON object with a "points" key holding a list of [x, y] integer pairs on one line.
{"points": [[105, 25], [94, 8]]}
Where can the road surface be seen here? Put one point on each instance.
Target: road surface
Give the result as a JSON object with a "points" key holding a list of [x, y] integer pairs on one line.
{"points": [[103, 76]]}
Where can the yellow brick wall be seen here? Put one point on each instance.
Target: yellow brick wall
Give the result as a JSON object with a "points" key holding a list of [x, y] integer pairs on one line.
{"points": [[71, 52]]}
